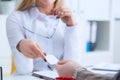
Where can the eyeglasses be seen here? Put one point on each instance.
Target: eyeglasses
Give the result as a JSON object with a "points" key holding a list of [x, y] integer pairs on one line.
{"points": [[47, 35]]}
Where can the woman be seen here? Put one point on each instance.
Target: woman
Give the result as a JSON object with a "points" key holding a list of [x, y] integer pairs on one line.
{"points": [[38, 27]]}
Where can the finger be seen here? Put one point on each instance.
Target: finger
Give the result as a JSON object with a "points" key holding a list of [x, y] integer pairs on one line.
{"points": [[65, 10], [59, 11], [62, 62], [33, 54], [40, 52], [65, 14], [39, 48], [29, 55], [59, 14], [57, 67], [45, 54], [56, 10], [36, 50]]}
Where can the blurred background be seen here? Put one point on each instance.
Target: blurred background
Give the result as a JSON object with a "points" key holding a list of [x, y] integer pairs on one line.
{"points": [[101, 36]]}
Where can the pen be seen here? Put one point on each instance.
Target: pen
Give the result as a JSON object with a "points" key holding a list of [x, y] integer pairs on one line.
{"points": [[49, 66]]}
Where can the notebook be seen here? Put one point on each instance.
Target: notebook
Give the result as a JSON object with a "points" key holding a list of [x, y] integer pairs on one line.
{"points": [[107, 67], [48, 74]]}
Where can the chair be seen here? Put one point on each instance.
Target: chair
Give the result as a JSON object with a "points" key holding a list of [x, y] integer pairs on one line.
{"points": [[13, 66]]}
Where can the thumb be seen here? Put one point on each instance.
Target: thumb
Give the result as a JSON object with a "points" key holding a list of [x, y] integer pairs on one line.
{"points": [[57, 67], [62, 62]]}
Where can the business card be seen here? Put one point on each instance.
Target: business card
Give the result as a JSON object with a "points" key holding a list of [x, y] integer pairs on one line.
{"points": [[51, 59]]}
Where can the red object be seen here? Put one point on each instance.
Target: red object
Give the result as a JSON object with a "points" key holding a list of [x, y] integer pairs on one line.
{"points": [[64, 78]]}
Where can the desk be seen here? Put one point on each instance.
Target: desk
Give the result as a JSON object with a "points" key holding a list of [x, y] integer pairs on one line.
{"points": [[27, 77]]}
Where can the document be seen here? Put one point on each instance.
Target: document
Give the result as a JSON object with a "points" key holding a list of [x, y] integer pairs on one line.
{"points": [[107, 67], [51, 59], [48, 74]]}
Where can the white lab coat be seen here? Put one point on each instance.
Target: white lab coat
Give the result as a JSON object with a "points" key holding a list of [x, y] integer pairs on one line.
{"points": [[31, 24]]}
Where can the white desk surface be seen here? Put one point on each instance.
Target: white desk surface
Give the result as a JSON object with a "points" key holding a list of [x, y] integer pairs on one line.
{"points": [[21, 78]]}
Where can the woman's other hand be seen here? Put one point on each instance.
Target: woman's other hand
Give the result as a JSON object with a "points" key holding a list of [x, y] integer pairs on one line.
{"points": [[30, 49], [66, 68], [65, 14]]}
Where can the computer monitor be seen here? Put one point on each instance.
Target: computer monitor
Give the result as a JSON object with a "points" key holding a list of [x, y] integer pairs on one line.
{"points": [[1, 76]]}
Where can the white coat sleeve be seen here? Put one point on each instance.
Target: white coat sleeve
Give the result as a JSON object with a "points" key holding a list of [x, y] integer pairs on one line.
{"points": [[72, 41], [15, 33]]}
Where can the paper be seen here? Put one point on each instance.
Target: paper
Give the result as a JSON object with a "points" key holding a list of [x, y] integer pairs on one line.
{"points": [[107, 67], [46, 74], [51, 59], [111, 73]]}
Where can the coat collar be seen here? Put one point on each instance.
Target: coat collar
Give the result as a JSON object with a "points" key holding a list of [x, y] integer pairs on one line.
{"points": [[35, 13]]}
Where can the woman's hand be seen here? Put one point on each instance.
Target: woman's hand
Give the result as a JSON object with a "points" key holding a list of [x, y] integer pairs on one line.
{"points": [[65, 15], [66, 68], [30, 49]]}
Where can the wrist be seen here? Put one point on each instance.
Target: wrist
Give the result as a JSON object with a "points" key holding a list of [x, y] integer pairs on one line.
{"points": [[77, 70], [70, 24], [18, 46]]}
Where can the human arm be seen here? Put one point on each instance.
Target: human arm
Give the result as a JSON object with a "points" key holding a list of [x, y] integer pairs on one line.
{"points": [[15, 34], [30, 49], [88, 75], [117, 76], [65, 15], [73, 36], [16, 37], [68, 68]]}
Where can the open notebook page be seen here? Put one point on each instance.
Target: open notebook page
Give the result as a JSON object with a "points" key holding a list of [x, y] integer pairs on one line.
{"points": [[46, 74]]}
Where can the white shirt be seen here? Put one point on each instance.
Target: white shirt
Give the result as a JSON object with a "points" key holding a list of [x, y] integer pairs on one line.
{"points": [[52, 35]]}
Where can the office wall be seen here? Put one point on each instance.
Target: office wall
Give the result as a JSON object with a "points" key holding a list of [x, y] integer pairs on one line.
{"points": [[5, 52]]}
